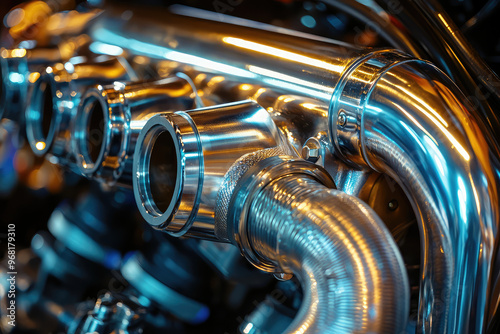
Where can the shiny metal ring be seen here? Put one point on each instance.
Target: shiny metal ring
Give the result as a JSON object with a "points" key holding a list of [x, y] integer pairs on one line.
{"points": [[251, 183]]}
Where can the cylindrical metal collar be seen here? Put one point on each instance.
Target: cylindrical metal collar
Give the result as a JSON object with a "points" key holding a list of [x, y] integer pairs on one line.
{"points": [[250, 184], [101, 132], [180, 160]]}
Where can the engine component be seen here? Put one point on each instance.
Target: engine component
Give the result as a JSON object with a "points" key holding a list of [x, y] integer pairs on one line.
{"points": [[109, 120], [242, 137], [56, 95], [181, 160]]}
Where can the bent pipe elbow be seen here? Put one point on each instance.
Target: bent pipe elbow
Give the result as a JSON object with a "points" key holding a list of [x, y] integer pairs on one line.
{"points": [[285, 219], [411, 122]]}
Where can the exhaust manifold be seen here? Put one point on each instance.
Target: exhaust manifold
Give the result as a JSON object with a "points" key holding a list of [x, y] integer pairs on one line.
{"points": [[230, 172]]}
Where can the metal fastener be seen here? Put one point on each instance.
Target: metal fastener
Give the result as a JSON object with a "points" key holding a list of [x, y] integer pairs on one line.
{"points": [[342, 119], [311, 150]]}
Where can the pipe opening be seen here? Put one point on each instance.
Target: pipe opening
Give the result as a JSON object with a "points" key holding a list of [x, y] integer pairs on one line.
{"points": [[159, 173], [163, 171], [90, 134], [95, 131], [41, 117], [47, 110]]}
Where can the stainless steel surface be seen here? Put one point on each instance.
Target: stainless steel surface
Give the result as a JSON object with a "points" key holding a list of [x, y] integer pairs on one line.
{"points": [[336, 246], [20, 68], [424, 29], [55, 97], [407, 119], [291, 76], [294, 79], [182, 158], [110, 118], [229, 172]]}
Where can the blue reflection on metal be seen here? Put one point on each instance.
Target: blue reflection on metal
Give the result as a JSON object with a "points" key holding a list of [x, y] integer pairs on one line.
{"points": [[159, 52]]}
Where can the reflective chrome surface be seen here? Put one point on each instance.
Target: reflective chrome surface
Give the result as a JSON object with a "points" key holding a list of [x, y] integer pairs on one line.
{"points": [[21, 67], [291, 75], [424, 29], [294, 79], [228, 172], [182, 158], [55, 97], [109, 120], [406, 118], [335, 245]]}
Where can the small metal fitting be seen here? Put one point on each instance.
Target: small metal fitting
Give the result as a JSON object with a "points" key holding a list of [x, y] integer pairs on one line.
{"points": [[342, 119], [311, 151]]}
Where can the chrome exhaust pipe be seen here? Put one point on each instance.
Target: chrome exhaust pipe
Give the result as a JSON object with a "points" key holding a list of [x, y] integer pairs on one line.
{"points": [[322, 77], [55, 97], [109, 120], [213, 173], [426, 140], [287, 221], [181, 160]]}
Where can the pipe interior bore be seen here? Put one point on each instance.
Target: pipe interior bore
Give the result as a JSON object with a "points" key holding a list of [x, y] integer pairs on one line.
{"points": [[41, 118], [94, 139], [47, 110], [162, 171]]}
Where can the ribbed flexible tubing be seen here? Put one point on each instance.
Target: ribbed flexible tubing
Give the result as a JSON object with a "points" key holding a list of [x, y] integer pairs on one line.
{"points": [[351, 271]]}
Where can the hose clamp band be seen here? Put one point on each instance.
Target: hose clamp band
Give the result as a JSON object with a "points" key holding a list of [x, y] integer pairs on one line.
{"points": [[251, 183]]}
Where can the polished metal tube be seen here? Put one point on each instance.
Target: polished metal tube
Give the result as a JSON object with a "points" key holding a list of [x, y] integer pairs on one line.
{"points": [[291, 75], [407, 119], [429, 33], [295, 77], [181, 160], [110, 118], [55, 97], [352, 274], [15, 68]]}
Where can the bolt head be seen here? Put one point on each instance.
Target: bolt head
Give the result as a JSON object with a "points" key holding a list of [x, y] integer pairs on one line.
{"points": [[342, 119], [310, 151]]}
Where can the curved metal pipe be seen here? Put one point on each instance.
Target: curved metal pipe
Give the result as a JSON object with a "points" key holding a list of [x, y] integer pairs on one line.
{"points": [[102, 151], [339, 250], [428, 32], [286, 220], [294, 78], [409, 120]]}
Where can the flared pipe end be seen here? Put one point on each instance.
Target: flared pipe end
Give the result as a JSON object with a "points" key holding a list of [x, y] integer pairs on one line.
{"points": [[90, 132], [42, 116], [163, 173]]}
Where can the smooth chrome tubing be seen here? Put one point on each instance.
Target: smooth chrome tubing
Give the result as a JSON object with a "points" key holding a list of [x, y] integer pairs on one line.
{"points": [[352, 274], [55, 97], [109, 120], [238, 62], [408, 119], [181, 159], [431, 34], [292, 68]]}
